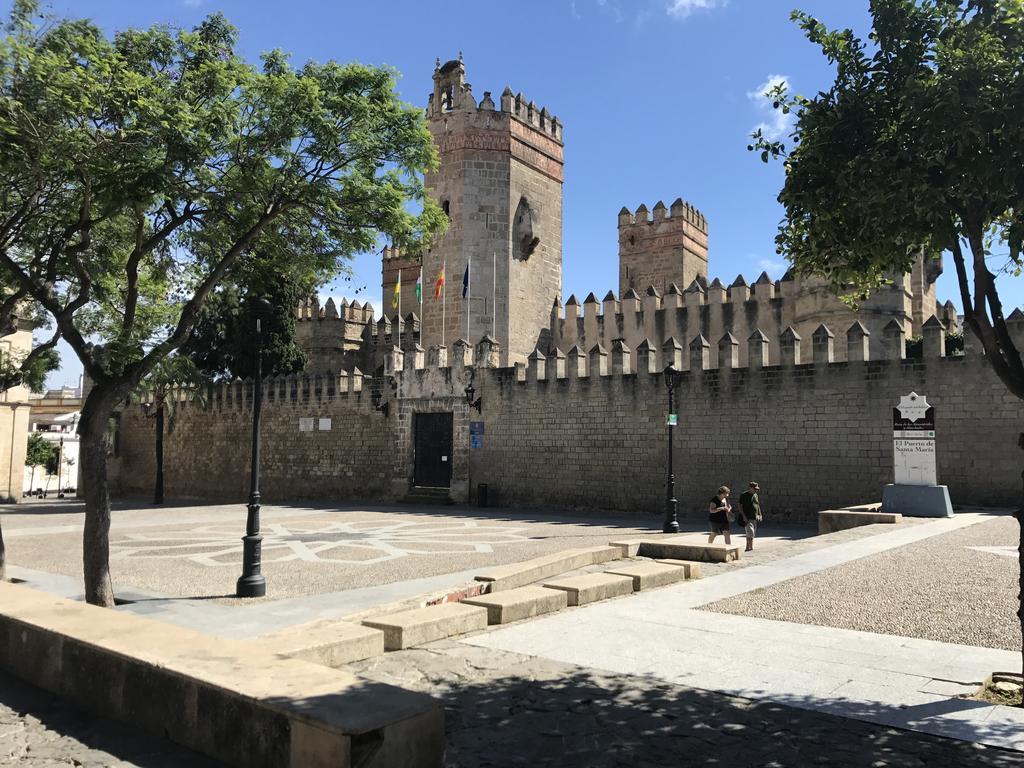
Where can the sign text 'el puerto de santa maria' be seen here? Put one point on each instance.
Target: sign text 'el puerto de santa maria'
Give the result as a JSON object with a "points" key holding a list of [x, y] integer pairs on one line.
{"points": [[913, 433]]}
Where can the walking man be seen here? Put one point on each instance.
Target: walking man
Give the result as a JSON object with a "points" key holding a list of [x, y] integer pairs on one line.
{"points": [[750, 512]]}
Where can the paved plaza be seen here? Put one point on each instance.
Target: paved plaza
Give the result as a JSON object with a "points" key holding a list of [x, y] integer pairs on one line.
{"points": [[853, 649]]}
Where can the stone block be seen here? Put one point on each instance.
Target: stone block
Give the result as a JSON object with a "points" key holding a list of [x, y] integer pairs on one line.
{"points": [[424, 625], [917, 500], [673, 548], [529, 571], [521, 603], [693, 569], [629, 548], [832, 520], [591, 587], [201, 691], [331, 643], [650, 575]]}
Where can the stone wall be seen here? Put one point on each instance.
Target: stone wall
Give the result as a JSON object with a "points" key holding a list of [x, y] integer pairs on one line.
{"points": [[14, 420], [589, 431]]}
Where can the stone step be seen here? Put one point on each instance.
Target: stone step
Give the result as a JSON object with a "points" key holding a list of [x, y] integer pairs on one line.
{"points": [[629, 547], [405, 629], [832, 520], [675, 548], [647, 575], [692, 568], [592, 586], [331, 643], [521, 603], [516, 575], [428, 496]]}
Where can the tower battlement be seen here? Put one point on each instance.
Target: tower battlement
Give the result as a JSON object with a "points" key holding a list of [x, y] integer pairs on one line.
{"points": [[661, 247]]}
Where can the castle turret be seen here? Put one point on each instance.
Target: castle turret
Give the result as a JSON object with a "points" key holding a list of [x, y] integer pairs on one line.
{"points": [[665, 246], [500, 182]]}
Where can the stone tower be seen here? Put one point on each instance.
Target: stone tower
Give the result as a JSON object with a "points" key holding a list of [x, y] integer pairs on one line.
{"points": [[666, 246], [500, 181]]}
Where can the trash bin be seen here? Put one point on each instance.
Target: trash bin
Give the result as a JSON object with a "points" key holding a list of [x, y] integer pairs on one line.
{"points": [[481, 495]]}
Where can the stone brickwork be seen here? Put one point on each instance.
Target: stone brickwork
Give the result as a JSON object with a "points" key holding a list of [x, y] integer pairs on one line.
{"points": [[588, 430], [14, 419], [665, 247], [500, 181]]}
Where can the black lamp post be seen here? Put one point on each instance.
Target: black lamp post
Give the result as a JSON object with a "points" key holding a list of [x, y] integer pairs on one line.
{"points": [[671, 524], [252, 583], [471, 400]]}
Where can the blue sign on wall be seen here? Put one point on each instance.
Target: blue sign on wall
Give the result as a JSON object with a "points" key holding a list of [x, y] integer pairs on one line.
{"points": [[476, 427], [476, 441]]}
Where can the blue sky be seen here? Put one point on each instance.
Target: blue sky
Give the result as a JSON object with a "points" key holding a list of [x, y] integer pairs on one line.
{"points": [[658, 98]]}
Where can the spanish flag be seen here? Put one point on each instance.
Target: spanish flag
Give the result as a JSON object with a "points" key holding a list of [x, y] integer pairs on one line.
{"points": [[439, 285], [395, 300]]}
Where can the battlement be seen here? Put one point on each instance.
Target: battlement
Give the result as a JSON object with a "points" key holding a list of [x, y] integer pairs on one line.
{"points": [[679, 211], [309, 309], [714, 309], [453, 95]]}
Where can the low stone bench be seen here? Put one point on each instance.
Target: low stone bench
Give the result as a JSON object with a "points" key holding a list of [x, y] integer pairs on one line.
{"points": [[693, 569], [673, 548], [232, 700], [424, 625], [529, 571], [650, 575], [331, 643], [519, 604], [591, 587], [832, 520]]}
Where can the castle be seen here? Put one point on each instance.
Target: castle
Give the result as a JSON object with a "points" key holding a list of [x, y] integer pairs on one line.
{"points": [[500, 183], [563, 405]]}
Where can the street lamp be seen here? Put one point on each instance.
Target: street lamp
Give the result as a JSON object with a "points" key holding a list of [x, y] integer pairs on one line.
{"points": [[671, 524], [252, 583]]}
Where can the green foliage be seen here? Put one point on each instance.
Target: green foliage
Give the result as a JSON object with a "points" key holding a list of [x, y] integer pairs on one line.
{"points": [[918, 146], [40, 452], [223, 343], [137, 172], [31, 372], [175, 376]]}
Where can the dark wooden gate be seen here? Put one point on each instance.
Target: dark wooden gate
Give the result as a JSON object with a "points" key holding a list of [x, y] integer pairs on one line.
{"points": [[433, 440]]}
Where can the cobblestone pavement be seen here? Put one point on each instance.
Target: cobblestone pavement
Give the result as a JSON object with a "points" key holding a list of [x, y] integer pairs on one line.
{"points": [[959, 587], [506, 709], [38, 730]]}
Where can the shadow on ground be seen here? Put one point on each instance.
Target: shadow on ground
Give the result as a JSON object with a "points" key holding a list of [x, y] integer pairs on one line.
{"points": [[555, 715], [40, 729]]}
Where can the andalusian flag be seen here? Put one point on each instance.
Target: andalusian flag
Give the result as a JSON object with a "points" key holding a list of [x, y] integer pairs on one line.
{"points": [[419, 286], [396, 300], [439, 285]]}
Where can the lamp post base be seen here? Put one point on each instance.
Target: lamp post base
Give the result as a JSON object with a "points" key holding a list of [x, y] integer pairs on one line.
{"points": [[251, 586]]}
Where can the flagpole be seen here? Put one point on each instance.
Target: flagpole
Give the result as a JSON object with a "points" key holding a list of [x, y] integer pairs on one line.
{"points": [[494, 295], [420, 297], [398, 292], [444, 295], [469, 292]]}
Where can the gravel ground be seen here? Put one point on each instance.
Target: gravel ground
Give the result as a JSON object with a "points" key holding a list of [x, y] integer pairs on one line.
{"points": [[937, 589]]}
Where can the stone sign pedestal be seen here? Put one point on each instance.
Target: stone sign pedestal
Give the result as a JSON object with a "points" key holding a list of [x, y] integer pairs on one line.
{"points": [[917, 500], [915, 492]]}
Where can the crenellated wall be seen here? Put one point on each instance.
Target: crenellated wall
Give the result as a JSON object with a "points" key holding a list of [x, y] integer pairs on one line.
{"points": [[741, 309], [587, 429]]}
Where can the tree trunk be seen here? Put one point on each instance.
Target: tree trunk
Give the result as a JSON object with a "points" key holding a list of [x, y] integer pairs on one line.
{"points": [[96, 413], [158, 492]]}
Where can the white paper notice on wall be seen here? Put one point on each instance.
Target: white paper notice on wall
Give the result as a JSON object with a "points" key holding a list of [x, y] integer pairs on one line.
{"points": [[306, 424], [324, 425], [914, 461]]}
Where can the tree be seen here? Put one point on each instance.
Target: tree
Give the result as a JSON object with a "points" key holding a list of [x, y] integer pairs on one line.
{"points": [[136, 172], [224, 339], [918, 144], [31, 372], [174, 376]]}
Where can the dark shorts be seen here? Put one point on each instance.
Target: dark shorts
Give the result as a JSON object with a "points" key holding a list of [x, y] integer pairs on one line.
{"points": [[717, 528]]}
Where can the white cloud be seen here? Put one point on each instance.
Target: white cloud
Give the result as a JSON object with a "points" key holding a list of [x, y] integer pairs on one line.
{"points": [[772, 266], [192, 3], [680, 9], [776, 124]]}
